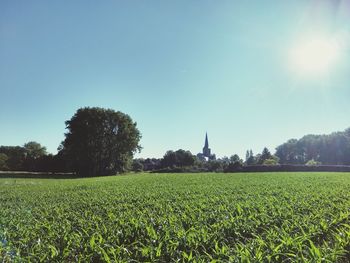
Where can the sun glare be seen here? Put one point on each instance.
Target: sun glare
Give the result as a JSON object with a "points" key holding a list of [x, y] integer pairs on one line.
{"points": [[314, 56]]}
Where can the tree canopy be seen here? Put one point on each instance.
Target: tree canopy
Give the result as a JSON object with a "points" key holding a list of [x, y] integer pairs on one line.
{"points": [[329, 149], [100, 141], [15, 157], [179, 158], [34, 150]]}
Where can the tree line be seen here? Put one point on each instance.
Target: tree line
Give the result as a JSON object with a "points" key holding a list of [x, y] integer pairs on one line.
{"points": [[329, 149], [103, 142], [185, 161], [32, 157], [98, 142], [310, 150]]}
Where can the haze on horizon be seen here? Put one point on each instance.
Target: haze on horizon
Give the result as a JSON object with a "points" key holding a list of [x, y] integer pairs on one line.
{"points": [[251, 74]]}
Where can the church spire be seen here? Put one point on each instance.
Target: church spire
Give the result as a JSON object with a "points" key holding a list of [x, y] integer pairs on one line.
{"points": [[206, 144], [206, 149]]}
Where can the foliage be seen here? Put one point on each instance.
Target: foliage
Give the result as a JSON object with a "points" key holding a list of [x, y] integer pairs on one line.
{"points": [[214, 166], [34, 150], [312, 162], [15, 155], [235, 158], [250, 159], [265, 155], [150, 164], [271, 161], [100, 141], [137, 165], [272, 217], [179, 158], [31, 157], [331, 149], [233, 167]]}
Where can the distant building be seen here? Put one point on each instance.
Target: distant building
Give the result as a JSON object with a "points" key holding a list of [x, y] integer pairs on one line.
{"points": [[206, 154]]}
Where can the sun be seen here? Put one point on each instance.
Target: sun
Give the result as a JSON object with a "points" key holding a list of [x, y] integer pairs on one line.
{"points": [[314, 56]]}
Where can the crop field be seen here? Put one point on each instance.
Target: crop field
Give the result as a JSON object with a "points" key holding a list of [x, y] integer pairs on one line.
{"points": [[261, 217]]}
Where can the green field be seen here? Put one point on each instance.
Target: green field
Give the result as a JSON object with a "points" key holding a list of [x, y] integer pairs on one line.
{"points": [[257, 217]]}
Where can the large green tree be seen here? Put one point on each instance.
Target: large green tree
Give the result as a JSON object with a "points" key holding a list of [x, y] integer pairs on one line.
{"points": [[100, 141]]}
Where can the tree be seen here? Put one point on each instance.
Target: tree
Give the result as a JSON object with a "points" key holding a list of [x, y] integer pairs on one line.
{"points": [[233, 167], [180, 158], [265, 155], [312, 162], [331, 149], [235, 158], [100, 141], [137, 165], [271, 161], [247, 155], [34, 150], [16, 157], [250, 160], [289, 152], [214, 165]]}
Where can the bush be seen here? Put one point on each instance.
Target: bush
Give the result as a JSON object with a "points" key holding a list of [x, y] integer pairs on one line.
{"points": [[137, 166], [312, 162], [270, 162], [233, 167]]}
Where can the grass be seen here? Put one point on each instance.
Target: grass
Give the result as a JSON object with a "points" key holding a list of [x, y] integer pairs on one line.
{"points": [[284, 217]]}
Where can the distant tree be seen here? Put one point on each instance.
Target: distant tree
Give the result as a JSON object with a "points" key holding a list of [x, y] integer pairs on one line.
{"points": [[225, 160], [251, 159], [100, 141], [16, 156], [3, 160], [257, 158], [265, 155], [214, 166], [169, 159], [235, 158], [150, 164], [328, 149], [312, 162], [137, 165], [34, 150], [233, 167], [347, 132], [288, 153], [180, 158], [271, 161]]}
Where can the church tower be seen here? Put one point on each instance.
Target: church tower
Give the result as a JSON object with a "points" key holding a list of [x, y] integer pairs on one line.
{"points": [[206, 149]]}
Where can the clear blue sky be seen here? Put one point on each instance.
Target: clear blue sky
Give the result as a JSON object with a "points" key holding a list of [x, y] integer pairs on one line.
{"points": [[178, 68]]}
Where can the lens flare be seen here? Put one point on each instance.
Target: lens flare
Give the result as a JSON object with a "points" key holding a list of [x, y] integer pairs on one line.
{"points": [[314, 56]]}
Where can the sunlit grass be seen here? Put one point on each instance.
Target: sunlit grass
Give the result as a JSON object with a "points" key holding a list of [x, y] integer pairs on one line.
{"points": [[170, 217]]}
